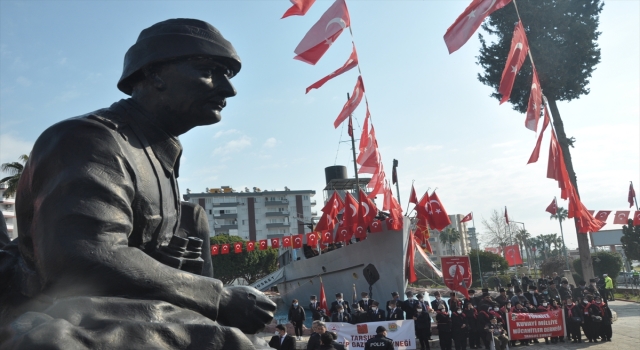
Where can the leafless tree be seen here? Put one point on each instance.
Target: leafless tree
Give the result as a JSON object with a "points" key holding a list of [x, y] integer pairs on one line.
{"points": [[496, 233]]}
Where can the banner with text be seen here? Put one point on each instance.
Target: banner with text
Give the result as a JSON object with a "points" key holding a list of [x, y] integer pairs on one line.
{"points": [[536, 325], [354, 336]]}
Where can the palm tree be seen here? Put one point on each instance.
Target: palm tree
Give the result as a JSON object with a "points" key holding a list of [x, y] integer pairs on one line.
{"points": [[522, 236], [15, 170], [449, 236], [561, 215]]}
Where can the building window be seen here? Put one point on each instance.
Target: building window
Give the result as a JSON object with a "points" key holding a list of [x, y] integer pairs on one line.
{"points": [[257, 221], [243, 222]]}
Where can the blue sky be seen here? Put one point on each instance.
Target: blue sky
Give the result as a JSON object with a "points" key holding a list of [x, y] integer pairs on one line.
{"points": [[60, 59]]}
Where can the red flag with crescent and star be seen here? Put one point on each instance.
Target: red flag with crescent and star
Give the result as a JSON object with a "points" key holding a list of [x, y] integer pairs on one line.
{"points": [[468, 22], [343, 233], [326, 223], [394, 222], [275, 243], [297, 241], [323, 34], [366, 214], [603, 215], [376, 226], [438, 214], [286, 241], [535, 103], [636, 218], [413, 198], [351, 104], [333, 206], [536, 150], [263, 244], [350, 214], [323, 300], [517, 54], [312, 239], [327, 237], [299, 8], [225, 249], [237, 247], [552, 208], [352, 62], [456, 272], [410, 262], [632, 195], [512, 255], [423, 210], [251, 246], [585, 222], [469, 217], [622, 217], [215, 249]]}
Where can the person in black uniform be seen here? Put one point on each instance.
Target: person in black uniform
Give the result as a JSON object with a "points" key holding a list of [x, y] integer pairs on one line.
{"points": [[358, 315], [421, 303], [422, 326], [587, 325], [596, 314], [578, 293], [339, 301], [366, 302], [483, 320], [510, 291], [573, 318], [375, 314], [454, 302], [553, 292], [409, 305], [326, 342], [502, 298], [605, 326], [395, 313], [318, 328], [314, 306], [282, 340], [297, 317], [565, 290], [533, 297], [435, 304], [592, 288], [472, 322], [459, 329], [472, 299], [335, 344], [380, 341], [496, 331], [444, 328], [340, 315], [394, 297]]}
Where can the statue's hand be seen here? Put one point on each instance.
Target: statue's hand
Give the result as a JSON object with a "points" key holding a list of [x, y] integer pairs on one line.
{"points": [[245, 308]]}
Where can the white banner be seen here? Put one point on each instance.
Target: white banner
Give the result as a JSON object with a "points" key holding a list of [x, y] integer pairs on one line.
{"points": [[354, 336]]}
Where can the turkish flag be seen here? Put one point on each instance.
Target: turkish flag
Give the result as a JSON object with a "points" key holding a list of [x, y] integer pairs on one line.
{"points": [[552, 208], [603, 215], [457, 273], [458, 282], [323, 300], [376, 226], [592, 212], [237, 247], [322, 35], [352, 103], [468, 22], [632, 195], [350, 214], [438, 213], [215, 249], [622, 217], [556, 168], [535, 103], [412, 196], [326, 223], [395, 215], [327, 237], [636, 218], [350, 127], [225, 249], [299, 8], [333, 206], [377, 183], [367, 212], [352, 61], [286, 241], [263, 244], [344, 233], [517, 54], [585, 222], [410, 264], [424, 212], [512, 255], [469, 217], [536, 151], [251, 246], [275, 243], [364, 138], [297, 241], [312, 239]]}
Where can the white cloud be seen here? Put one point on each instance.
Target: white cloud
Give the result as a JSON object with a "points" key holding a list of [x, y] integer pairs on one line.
{"points": [[270, 143], [225, 133], [11, 148], [425, 148], [23, 81], [505, 144], [233, 146]]}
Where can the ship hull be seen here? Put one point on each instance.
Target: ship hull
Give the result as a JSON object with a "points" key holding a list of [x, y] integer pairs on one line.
{"points": [[340, 269]]}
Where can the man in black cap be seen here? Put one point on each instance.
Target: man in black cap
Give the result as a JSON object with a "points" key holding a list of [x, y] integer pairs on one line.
{"points": [[472, 299], [98, 204], [502, 299], [394, 297], [435, 304], [339, 302], [409, 305], [379, 341], [592, 288]]}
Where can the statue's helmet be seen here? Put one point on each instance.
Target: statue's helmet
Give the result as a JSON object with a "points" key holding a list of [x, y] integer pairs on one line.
{"points": [[172, 39]]}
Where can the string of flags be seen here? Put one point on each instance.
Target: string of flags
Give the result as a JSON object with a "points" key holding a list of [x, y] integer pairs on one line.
{"points": [[458, 34]]}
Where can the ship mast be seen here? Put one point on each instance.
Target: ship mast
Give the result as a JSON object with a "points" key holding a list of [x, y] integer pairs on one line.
{"points": [[353, 150]]}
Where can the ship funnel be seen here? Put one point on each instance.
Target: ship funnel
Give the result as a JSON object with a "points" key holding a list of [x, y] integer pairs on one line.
{"points": [[335, 172]]}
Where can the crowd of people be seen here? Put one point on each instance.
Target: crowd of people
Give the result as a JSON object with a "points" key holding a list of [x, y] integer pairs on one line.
{"points": [[476, 321]]}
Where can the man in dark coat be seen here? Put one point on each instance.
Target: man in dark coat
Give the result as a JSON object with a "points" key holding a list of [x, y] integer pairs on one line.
{"points": [[409, 305], [314, 306], [435, 304], [394, 297], [318, 328], [379, 341], [282, 341], [573, 316], [395, 313], [366, 302], [340, 315], [98, 201], [339, 302], [375, 313]]}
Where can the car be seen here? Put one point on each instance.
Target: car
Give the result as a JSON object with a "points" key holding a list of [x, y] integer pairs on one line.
{"points": [[624, 278]]}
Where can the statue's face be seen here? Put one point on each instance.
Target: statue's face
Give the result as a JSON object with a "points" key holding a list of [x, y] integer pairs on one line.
{"points": [[195, 91]]}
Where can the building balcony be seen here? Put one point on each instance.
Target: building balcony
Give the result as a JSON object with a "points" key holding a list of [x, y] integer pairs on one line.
{"points": [[277, 213], [278, 202], [226, 227], [7, 200], [9, 227], [225, 216], [314, 213], [278, 224], [313, 202], [8, 214], [226, 204]]}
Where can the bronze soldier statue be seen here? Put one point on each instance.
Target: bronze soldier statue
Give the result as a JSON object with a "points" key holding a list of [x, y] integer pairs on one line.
{"points": [[107, 254]]}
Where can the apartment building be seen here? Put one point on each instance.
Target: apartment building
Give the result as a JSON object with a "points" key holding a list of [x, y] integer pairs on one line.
{"points": [[462, 247], [7, 205], [255, 215]]}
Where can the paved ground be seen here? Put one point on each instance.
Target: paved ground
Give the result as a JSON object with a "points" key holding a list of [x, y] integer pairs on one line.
{"points": [[626, 333]]}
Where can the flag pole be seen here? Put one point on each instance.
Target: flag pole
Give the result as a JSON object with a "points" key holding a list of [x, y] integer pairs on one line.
{"points": [[475, 236], [634, 195], [353, 150], [564, 246], [395, 166]]}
